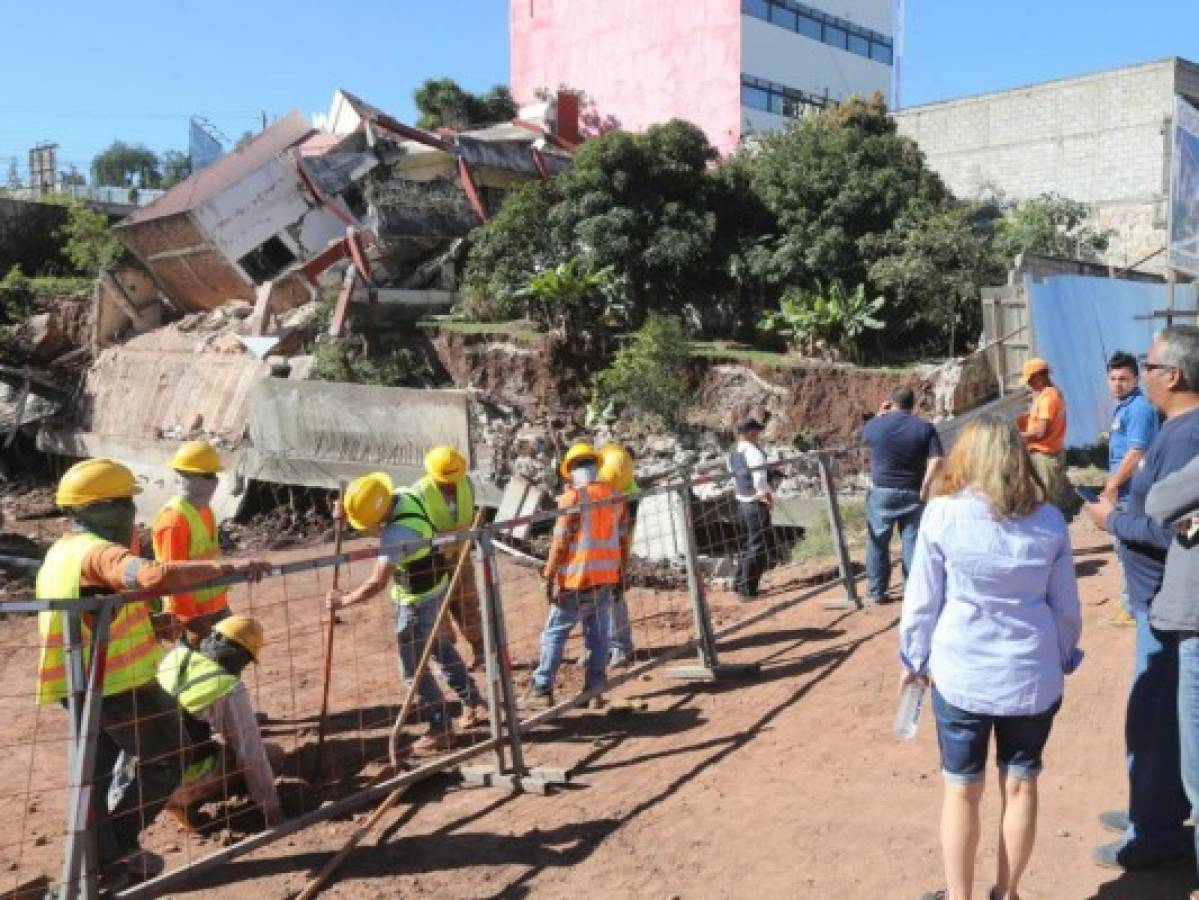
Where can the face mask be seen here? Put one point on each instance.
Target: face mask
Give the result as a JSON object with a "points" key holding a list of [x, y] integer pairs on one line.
{"points": [[583, 474], [111, 520], [197, 490]]}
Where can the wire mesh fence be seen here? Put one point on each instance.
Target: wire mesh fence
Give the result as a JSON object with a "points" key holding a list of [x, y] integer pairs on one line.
{"points": [[332, 740]]}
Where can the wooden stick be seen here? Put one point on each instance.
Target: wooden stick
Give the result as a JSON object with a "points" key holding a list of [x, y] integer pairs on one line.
{"points": [[338, 532], [358, 834]]}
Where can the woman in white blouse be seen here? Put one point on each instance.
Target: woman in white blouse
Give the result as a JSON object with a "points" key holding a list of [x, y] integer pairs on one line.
{"points": [[991, 619]]}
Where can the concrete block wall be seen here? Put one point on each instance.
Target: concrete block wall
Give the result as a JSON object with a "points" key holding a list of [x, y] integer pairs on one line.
{"points": [[1100, 139]]}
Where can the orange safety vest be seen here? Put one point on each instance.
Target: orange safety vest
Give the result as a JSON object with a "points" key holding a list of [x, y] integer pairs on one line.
{"points": [[202, 544], [132, 653], [594, 555]]}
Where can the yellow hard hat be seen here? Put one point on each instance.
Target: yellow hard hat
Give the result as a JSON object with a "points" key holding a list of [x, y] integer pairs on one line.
{"points": [[243, 630], [1034, 366], [577, 453], [197, 458], [367, 500], [616, 466], [94, 480], [445, 464]]}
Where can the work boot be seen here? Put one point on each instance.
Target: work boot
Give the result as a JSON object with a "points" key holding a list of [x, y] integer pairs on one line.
{"points": [[479, 662], [436, 740], [178, 813], [143, 865], [473, 717], [537, 698]]}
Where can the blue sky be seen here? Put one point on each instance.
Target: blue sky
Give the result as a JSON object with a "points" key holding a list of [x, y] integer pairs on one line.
{"points": [[83, 72]]}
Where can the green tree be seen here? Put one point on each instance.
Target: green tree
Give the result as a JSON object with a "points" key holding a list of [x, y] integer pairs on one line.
{"points": [[126, 165], [643, 206], [648, 376], [88, 242], [505, 252], [176, 166], [570, 299], [830, 182], [934, 265], [1051, 225], [444, 104]]}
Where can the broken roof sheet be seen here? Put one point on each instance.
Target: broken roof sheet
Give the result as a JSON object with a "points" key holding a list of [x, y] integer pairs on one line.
{"points": [[206, 184]]}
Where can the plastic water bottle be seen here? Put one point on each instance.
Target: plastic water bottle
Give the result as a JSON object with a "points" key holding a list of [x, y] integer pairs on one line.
{"points": [[907, 717]]}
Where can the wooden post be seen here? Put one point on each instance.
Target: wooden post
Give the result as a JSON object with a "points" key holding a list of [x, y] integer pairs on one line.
{"points": [[844, 563], [338, 533]]}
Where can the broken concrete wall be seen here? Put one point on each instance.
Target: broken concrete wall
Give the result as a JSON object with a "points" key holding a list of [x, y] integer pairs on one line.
{"points": [[127, 302]]}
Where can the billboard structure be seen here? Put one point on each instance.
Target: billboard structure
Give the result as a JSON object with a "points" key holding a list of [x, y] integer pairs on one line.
{"points": [[43, 169], [203, 148], [1182, 240]]}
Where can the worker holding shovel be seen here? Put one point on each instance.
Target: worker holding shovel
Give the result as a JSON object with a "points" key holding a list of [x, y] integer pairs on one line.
{"points": [[419, 584]]}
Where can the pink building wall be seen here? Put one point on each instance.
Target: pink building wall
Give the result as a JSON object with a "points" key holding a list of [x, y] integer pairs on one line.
{"points": [[641, 62]]}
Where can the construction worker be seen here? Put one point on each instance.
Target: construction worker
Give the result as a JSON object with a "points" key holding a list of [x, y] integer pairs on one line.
{"points": [[1043, 428], [206, 681], [185, 529], [449, 498], [616, 470], [137, 716], [584, 565], [419, 583]]}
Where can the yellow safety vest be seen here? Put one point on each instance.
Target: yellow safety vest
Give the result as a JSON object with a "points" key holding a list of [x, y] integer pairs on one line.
{"points": [[132, 653], [430, 494], [193, 679], [420, 574], [203, 544]]}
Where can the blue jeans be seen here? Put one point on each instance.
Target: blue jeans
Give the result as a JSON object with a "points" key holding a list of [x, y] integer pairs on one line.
{"points": [[620, 631], [886, 508], [591, 606], [963, 738], [414, 624], [1188, 720], [1157, 803]]}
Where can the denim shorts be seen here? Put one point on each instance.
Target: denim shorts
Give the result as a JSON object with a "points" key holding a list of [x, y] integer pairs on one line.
{"points": [[963, 737]]}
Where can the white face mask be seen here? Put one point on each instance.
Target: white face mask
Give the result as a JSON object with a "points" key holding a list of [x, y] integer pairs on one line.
{"points": [[196, 490], [583, 474]]}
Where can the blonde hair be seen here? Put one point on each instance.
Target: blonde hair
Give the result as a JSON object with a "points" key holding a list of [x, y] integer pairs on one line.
{"points": [[989, 457]]}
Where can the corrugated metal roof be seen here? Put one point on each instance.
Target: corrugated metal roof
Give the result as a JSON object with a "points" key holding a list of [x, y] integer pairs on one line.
{"points": [[229, 169]]}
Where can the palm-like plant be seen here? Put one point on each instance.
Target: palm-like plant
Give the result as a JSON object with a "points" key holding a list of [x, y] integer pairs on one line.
{"points": [[834, 317]]}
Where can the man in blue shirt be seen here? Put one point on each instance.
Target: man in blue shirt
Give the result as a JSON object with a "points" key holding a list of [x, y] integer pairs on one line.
{"points": [[905, 454], [1153, 833], [1134, 425]]}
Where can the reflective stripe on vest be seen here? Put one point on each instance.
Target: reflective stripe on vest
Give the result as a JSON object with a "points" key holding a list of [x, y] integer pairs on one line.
{"points": [[438, 510], [594, 556], [193, 679], [132, 652], [202, 544], [419, 566]]}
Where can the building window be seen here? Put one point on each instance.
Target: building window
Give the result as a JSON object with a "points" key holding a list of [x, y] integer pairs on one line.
{"points": [[759, 9], [754, 97], [820, 26], [769, 96], [810, 27], [267, 260]]}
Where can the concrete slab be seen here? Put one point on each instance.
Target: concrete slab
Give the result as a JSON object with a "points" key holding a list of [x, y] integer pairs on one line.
{"points": [[521, 498], [660, 527]]}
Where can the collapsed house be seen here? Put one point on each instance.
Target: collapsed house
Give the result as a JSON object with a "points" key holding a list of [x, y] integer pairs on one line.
{"points": [[365, 206]]}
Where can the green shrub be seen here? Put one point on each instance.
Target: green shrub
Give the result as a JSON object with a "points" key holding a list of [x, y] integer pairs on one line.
{"points": [[338, 361], [833, 318], [648, 376]]}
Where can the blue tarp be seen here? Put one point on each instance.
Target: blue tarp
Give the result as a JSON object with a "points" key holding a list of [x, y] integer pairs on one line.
{"points": [[1079, 321]]}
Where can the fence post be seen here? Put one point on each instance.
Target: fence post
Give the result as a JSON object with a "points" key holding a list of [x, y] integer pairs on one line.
{"points": [[837, 529], [709, 667], [494, 616], [84, 696], [491, 650]]}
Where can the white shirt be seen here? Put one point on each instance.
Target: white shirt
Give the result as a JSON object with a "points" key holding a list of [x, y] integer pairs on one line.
{"points": [[755, 460]]}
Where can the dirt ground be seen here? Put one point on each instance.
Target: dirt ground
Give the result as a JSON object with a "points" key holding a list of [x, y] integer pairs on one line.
{"points": [[785, 784]]}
